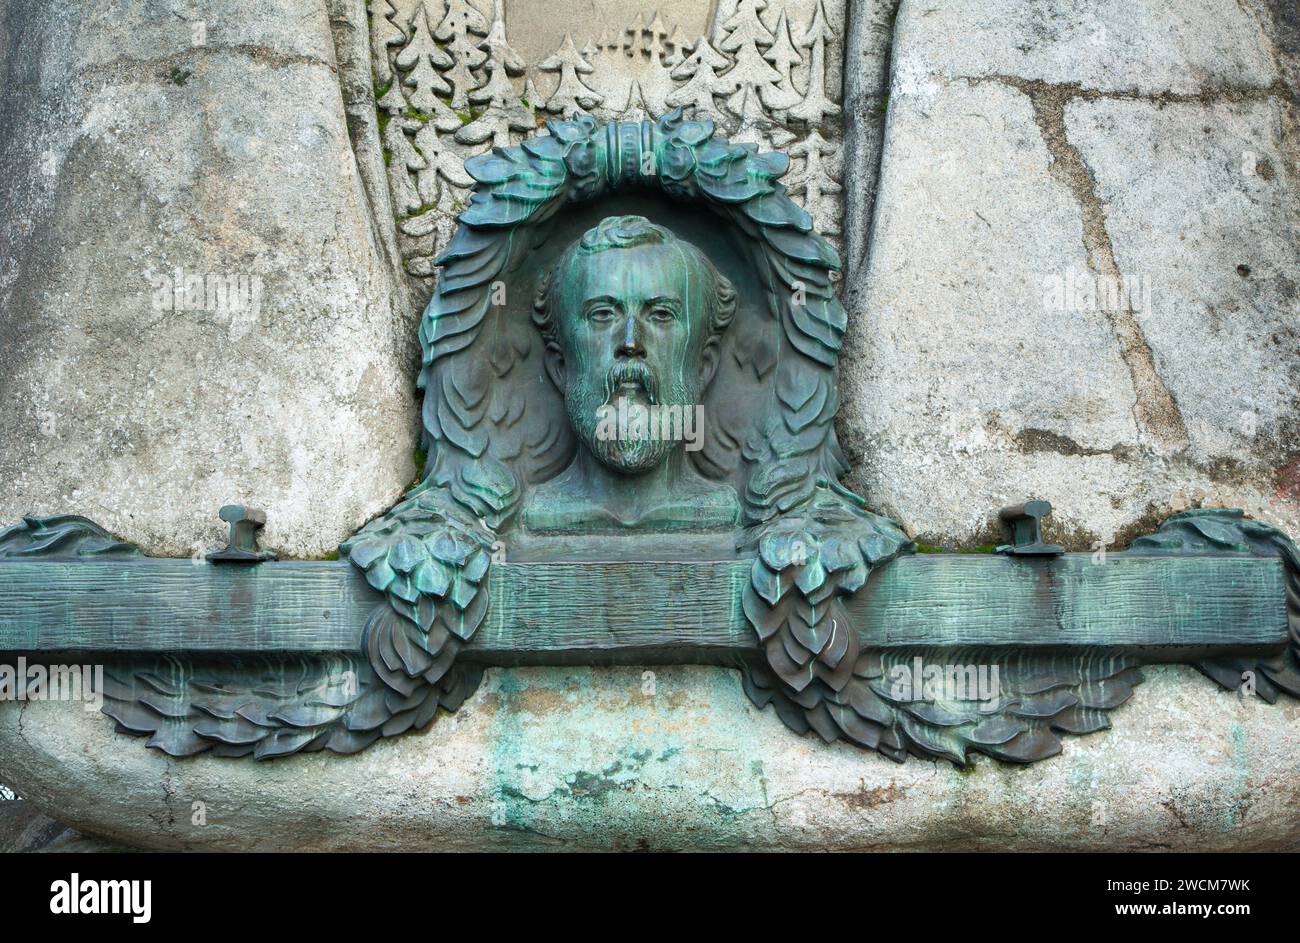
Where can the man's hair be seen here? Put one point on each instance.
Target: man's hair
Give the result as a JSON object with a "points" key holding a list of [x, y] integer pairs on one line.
{"points": [[626, 232]]}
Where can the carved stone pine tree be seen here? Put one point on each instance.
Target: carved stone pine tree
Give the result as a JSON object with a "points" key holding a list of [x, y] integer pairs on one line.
{"points": [[608, 78], [503, 115], [441, 163], [615, 43], [402, 159], [745, 34], [393, 101], [571, 95], [461, 18], [634, 35], [679, 47], [504, 111], [783, 57], [383, 33], [421, 59], [656, 81], [723, 10], [460, 30], [756, 125], [815, 184], [532, 98], [636, 108], [498, 48], [701, 70], [656, 33], [815, 106], [407, 9]]}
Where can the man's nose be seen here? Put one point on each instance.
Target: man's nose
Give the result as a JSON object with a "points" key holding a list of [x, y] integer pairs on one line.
{"points": [[630, 345]]}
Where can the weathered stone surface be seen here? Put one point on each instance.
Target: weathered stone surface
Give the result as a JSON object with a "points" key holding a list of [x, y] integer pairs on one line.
{"points": [[1110, 45], [1017, 171], [953, 351], [615, 758], [214, 141], [1215, 232], [24, 829]]}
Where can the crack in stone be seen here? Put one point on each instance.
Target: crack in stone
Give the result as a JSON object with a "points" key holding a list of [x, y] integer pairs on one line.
{"points": [[1155, 410], [1030, 440], [1223, 470], [161, 68], [22, 712], [1068, 91]]}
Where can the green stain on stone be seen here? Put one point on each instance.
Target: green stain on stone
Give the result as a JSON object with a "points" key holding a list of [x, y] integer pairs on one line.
{"points": [[1235, 813], [585, 785], [513, 808]]}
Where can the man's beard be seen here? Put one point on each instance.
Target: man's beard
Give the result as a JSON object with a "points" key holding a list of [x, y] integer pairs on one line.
{"points": [[627, 452]]}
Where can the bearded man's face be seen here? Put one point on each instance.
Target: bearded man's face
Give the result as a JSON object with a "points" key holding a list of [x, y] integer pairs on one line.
{"points": [[631, 326]]}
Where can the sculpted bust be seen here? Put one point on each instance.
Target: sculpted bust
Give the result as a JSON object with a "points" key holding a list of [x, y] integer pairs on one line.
{"points": [[632, 318]]}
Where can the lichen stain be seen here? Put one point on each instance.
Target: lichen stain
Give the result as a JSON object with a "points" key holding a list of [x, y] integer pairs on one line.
{"points": [[587, 785], [542, 701], [1288, 482], [871, 798]]}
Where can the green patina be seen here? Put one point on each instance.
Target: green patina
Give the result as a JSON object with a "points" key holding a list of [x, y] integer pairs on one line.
{"points": [[632, 318]]}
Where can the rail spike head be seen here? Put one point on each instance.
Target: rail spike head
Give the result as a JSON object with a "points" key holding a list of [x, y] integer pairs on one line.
{"points": [[1026, 523], [244, 523]]}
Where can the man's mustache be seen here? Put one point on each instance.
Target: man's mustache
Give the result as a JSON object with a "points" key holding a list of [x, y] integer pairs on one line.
{"points": [[631, 371]]}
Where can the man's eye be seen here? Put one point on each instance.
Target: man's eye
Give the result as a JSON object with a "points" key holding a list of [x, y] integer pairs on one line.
{"points": [[601, 314], [662, 314]]}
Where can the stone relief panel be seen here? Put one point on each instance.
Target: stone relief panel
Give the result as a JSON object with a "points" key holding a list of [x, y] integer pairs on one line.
{"points": [[451, 83]]}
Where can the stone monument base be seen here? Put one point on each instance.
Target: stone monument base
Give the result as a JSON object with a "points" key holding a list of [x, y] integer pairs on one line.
{"points": [[622, 758]]}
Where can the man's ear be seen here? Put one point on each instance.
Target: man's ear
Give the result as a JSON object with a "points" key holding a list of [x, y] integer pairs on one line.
{"points": [[710, 357], [553, 360]]}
